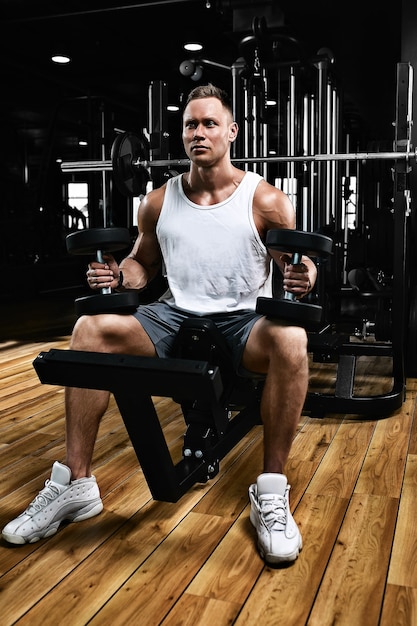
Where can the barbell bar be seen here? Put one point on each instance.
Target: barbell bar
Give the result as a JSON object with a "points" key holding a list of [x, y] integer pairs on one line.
{"points": [[106, 165], [131, 168]]}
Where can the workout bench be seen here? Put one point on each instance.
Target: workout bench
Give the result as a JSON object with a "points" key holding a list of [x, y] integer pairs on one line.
{"points": [[201, 379]]}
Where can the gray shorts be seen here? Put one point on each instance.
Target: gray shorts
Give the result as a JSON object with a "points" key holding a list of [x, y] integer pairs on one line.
{"points": [[161, 322]]}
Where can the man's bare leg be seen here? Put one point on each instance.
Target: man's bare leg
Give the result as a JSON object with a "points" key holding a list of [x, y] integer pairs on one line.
{"points": [[84, 408], [71, 493], [280, 352]]}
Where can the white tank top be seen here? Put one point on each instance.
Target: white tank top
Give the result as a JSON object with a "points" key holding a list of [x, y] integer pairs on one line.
{"points": [[214, 258]]}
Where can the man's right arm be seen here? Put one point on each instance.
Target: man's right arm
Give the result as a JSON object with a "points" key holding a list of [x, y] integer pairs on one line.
{"points": [[142, 264]]}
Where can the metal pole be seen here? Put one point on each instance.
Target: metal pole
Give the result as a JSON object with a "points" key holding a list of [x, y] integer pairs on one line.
{"points": [[103, 174], [247, 126], [322, 134], [291, 127], [264, 125], [99, 166], [312, 172], [305, 225]]}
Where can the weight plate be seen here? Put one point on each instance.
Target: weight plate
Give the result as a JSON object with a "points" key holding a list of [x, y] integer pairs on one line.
{"points": [[124, 302], [92, 239], [287, 240], [294, 311], [127, 149]]}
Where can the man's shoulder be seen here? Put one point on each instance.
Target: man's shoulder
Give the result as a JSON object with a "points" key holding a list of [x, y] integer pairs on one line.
{"points": [[272, 206], [151, 204]]}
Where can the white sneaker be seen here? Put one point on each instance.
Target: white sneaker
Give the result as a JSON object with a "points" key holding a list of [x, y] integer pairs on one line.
{"points": [[279, 539], [61, 499]]}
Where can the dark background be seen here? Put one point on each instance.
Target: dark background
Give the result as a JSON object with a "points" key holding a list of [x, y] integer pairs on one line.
{"points": [[117, 50]]}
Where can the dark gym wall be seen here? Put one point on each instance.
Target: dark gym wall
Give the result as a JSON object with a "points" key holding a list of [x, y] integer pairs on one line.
{"points": [[365, 37]]}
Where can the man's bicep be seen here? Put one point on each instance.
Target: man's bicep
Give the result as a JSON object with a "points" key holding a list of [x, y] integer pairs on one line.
{"points": [[146, 251]]}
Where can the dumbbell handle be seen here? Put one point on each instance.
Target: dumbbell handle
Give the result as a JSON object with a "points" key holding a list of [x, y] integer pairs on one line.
{"points": [[99, 256], [296, 260]]}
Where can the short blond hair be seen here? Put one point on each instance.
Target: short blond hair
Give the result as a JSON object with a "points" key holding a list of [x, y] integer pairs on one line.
{"points": [[210, 91]]}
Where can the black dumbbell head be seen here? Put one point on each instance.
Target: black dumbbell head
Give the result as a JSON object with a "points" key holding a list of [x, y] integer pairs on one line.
{"points": [[92, 239], [288, 240]]}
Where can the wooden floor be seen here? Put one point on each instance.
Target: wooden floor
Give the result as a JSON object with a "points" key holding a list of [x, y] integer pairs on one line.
{"points": [[195, 562]]}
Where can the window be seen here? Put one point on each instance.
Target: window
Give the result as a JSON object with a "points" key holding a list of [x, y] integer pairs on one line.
{"points": [[349, 202], [76, 217]]}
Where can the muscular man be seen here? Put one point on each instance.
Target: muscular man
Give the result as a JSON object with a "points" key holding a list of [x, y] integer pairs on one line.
{"points": [[207, 227]]}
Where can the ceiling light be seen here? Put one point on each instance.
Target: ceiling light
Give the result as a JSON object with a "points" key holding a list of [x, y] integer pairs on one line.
{"points": [[82, 142], [193, 46], [60, 58], [173, 107]]}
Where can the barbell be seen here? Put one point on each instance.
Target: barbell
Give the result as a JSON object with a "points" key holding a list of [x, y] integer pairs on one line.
{"points": [[130, 165]]}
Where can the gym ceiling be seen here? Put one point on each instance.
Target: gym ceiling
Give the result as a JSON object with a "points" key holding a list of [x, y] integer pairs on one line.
{"points": [[118, 48]]}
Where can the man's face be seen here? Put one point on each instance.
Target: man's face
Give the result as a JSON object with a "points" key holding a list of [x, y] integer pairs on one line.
{"points": [[207, 131]]}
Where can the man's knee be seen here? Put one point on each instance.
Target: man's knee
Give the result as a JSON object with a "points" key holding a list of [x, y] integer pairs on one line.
{"points": [[98, 332], [111, 333], [288, 343], [275, 345], [86, 333]]}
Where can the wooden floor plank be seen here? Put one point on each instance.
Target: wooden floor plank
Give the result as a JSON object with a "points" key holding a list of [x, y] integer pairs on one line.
{"points": [[353, 585], [383, 470], [339, 469], [403, 565], [400, 606], [193, 610], [234, 582], [153, 588]]}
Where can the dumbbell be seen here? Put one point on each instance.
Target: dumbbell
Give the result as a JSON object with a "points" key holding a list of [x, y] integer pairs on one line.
{"points": [[297, 242], [97, 241]]}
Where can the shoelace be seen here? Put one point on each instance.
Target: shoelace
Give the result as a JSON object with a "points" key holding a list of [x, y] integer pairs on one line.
{"points": [[274, 512], [48, 493]]}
